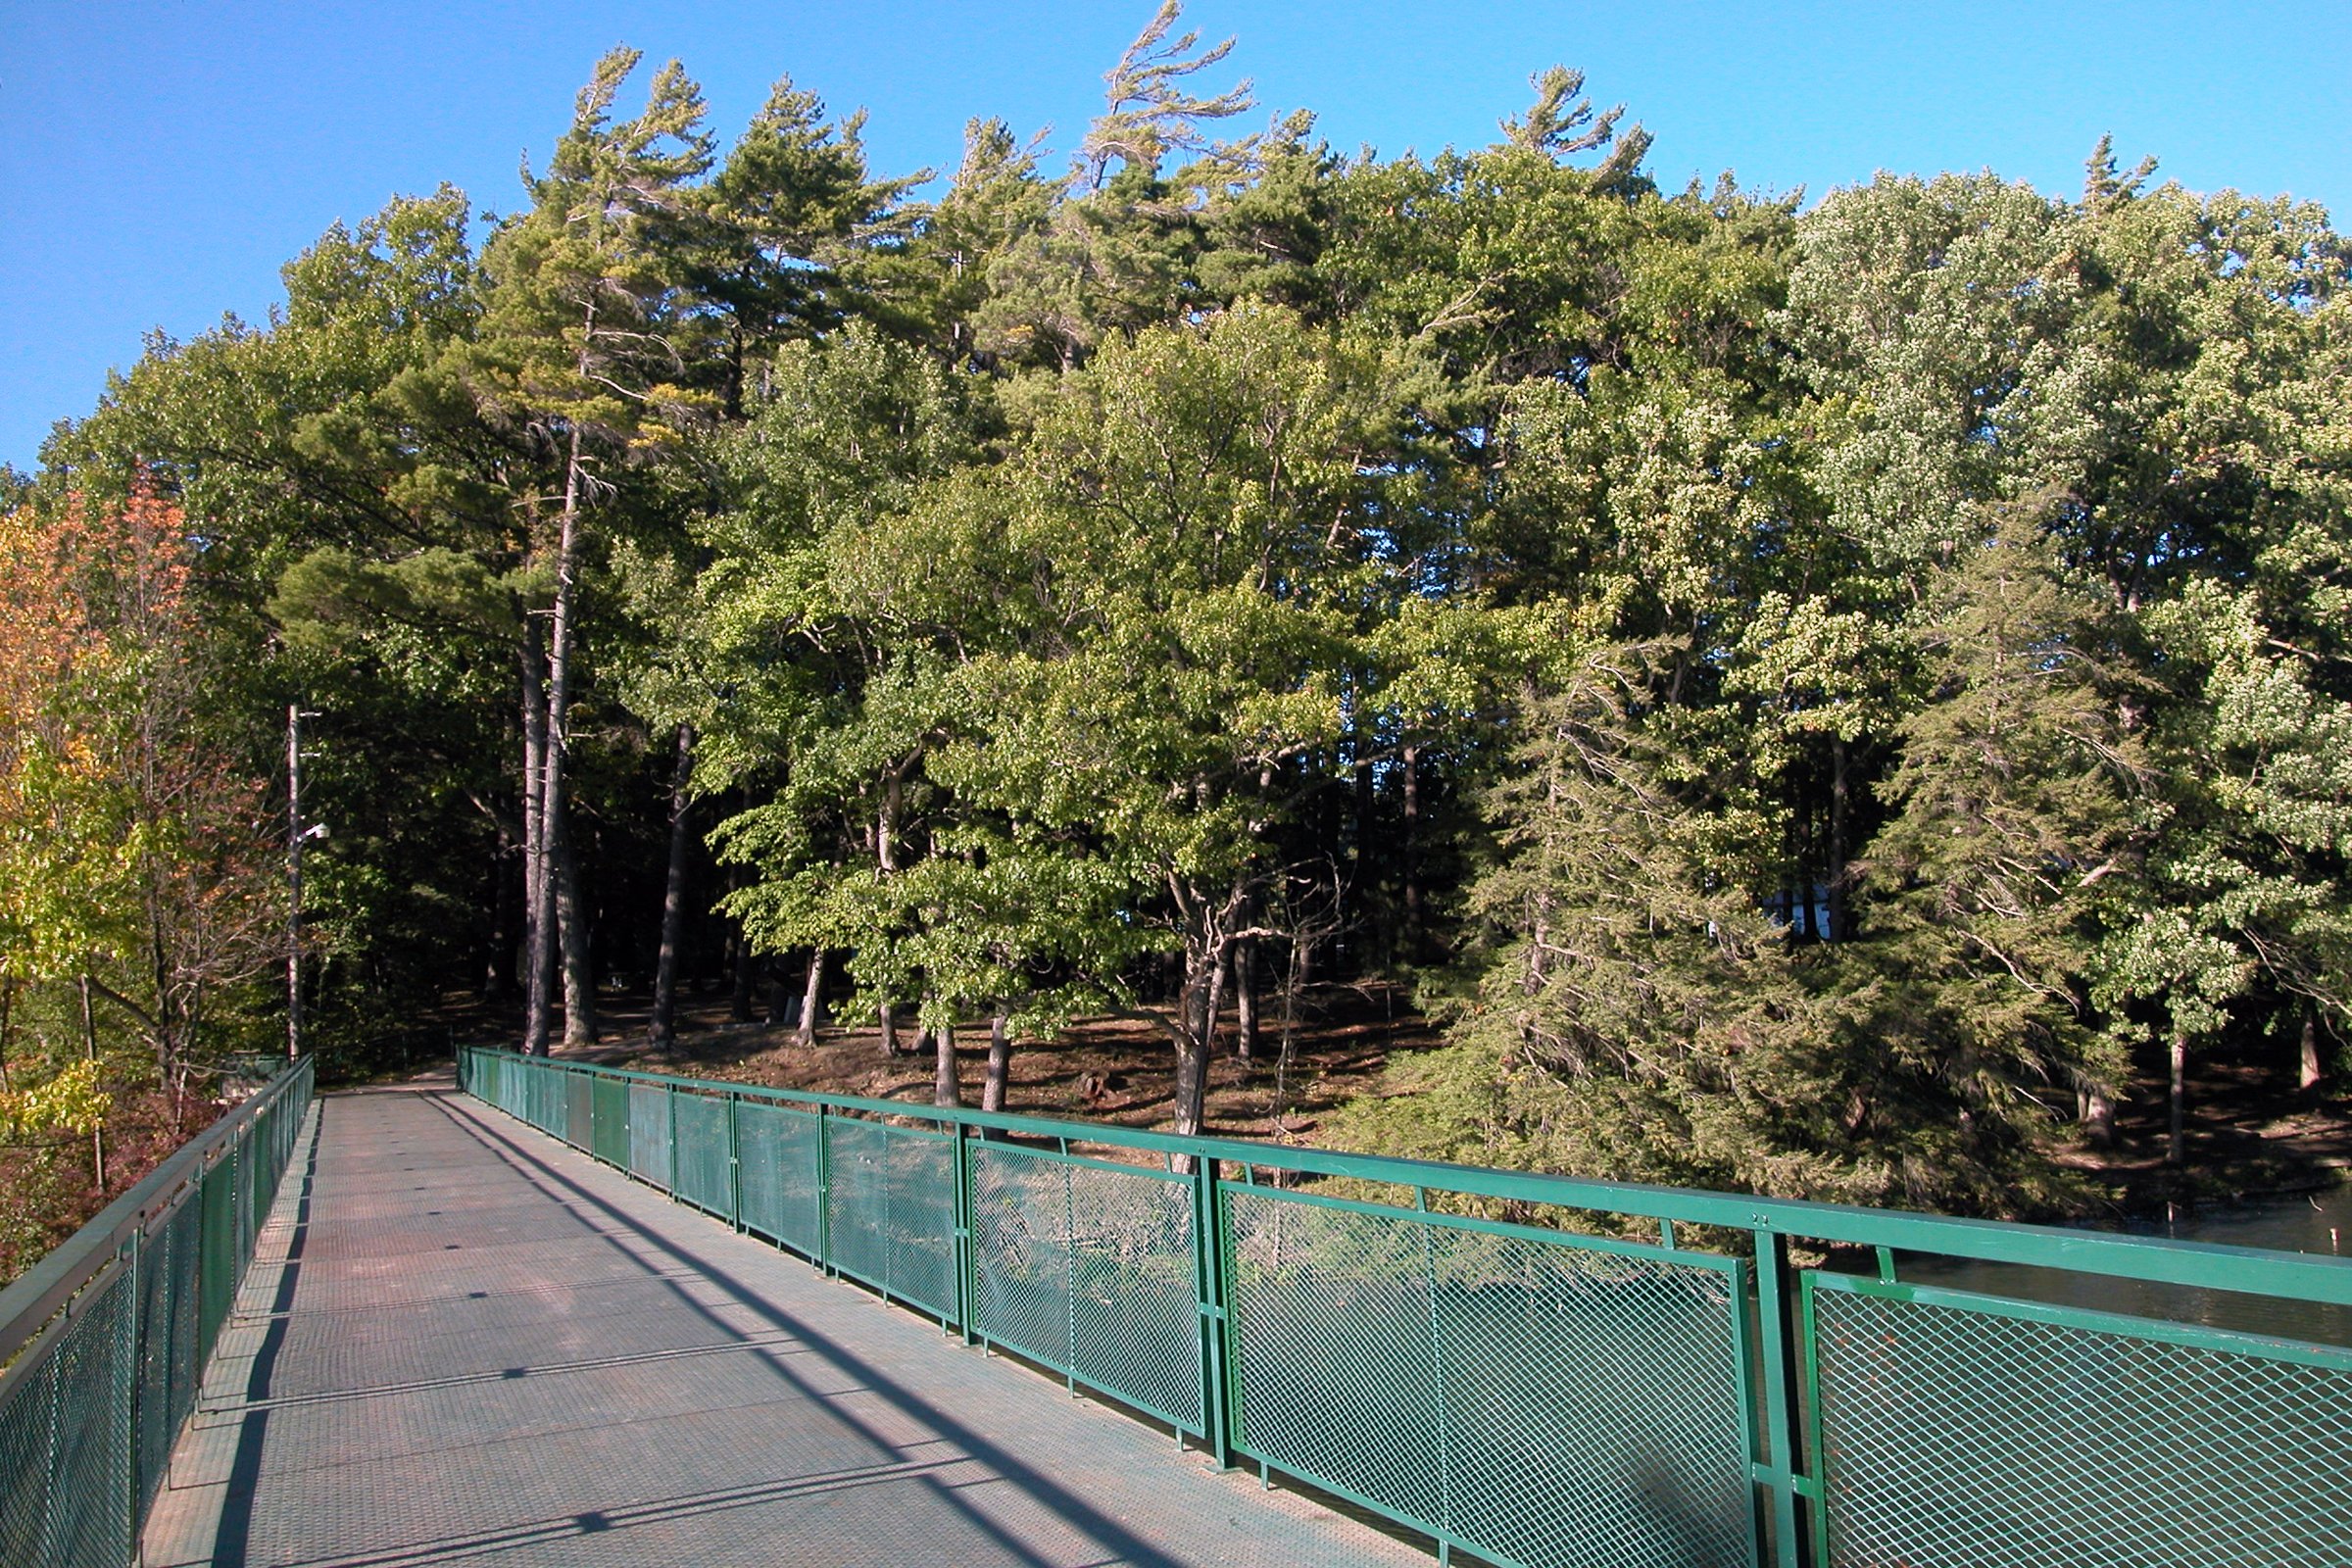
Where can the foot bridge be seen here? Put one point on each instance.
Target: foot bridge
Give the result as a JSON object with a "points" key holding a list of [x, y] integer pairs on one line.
{"points": [[555, 1313]]}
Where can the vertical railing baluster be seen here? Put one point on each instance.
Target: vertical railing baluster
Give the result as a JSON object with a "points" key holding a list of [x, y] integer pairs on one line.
{"points": [[132, 1359], [967, 1282], [824, 1188], [734, 1162], [1776, 1317], [1213, 1297]]}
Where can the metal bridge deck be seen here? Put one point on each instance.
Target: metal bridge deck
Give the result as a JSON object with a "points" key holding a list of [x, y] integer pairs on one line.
{"points": [[462, 1341]]}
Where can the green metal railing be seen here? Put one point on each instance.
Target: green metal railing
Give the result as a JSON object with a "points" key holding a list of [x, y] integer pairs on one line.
{"points": [[1536, 1396], [104, 1341]]}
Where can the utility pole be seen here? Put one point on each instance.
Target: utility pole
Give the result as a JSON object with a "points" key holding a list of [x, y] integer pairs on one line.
{"points": [[298, 833]]}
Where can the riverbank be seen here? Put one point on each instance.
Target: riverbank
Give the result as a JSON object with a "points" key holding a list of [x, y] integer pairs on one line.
{"points": [[2250, 1134]]}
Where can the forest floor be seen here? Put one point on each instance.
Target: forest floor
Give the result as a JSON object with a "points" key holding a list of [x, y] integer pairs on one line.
{"points": [[1116, 1070], [2250, 1132]]}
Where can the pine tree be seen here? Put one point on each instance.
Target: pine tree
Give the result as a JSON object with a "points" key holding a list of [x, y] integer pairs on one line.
{"points": [[2020, 818], [580, 348]]}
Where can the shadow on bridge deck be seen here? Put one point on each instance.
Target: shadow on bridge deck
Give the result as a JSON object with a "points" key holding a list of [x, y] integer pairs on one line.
{"points": [[462, 1341]]}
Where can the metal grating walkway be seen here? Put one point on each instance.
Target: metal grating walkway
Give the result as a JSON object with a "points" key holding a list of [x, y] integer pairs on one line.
{"points": [[462, 1341]]}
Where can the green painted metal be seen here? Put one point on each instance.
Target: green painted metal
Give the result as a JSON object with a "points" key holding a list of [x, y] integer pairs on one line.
{"points": [[891, 1216], [579, 1111], [782, 1189], [649, 1134], [1957, 1429], [1087, 1267], [1780, 1466], [103, 1341], [702, 1152], [1537, 1395], [609, 1110], [1517, 1379]]}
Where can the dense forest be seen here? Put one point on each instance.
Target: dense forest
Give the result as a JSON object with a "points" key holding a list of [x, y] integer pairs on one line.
{"points": [[1819, 698]]}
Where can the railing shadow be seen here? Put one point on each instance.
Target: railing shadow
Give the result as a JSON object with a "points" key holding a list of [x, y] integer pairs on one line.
{"points": [[233, 1534], [1116, 1540]]}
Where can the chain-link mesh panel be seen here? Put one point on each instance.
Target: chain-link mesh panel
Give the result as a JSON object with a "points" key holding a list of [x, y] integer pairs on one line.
{"points": [[160, 1269], [1021, 1256], [1544, 1401], [706, 1161], [550, 1103], [240, 1202], [608, 1101], [185, 1349], [649, 1134], [857, 1198], [28, 1444], [778, 1173], [1089, 1268], [91, 1500], [1959, 1437], [922, 1219], [579, 1110], [892, 1211], [217, 1272]]}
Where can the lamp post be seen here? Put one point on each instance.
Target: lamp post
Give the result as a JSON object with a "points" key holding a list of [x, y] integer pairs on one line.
{"points": [[298, 833]]}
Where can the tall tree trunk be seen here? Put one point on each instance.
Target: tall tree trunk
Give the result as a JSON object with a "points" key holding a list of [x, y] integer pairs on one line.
{"points": [[2309, 1074], [999, 1063], [1191, 1083], [948, 1087], [1363, 808], [8, 998], [571, 918], [538, 930], [813, 998], [886, 860], [89, 1043], [2175, 1142], [1293, 989], [1408, 850], [1841, 806], [1245, 998], [663, 1026], [559, 906], [1216, 1005], [739, 997], [2098, 1117], [498, 969], [1195, 1037]]}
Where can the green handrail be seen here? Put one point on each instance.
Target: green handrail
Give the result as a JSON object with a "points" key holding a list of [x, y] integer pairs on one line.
{"points": [[103, 1343], [1490, 1383]]}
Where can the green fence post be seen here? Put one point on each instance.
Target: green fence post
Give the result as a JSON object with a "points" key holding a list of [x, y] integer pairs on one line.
{"points": [[734, 1162], [1216, 1323], [824, 1190], [669, 1111], [134, 1335], [967, 1290], [1782, 1472], [52, 1514]]}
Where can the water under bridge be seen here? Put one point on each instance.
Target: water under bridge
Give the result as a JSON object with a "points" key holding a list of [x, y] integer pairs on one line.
{"points": [[566, 1314]]}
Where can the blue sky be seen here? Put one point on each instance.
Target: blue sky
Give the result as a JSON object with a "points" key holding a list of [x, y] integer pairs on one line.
{"points": [[159, 161]]}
